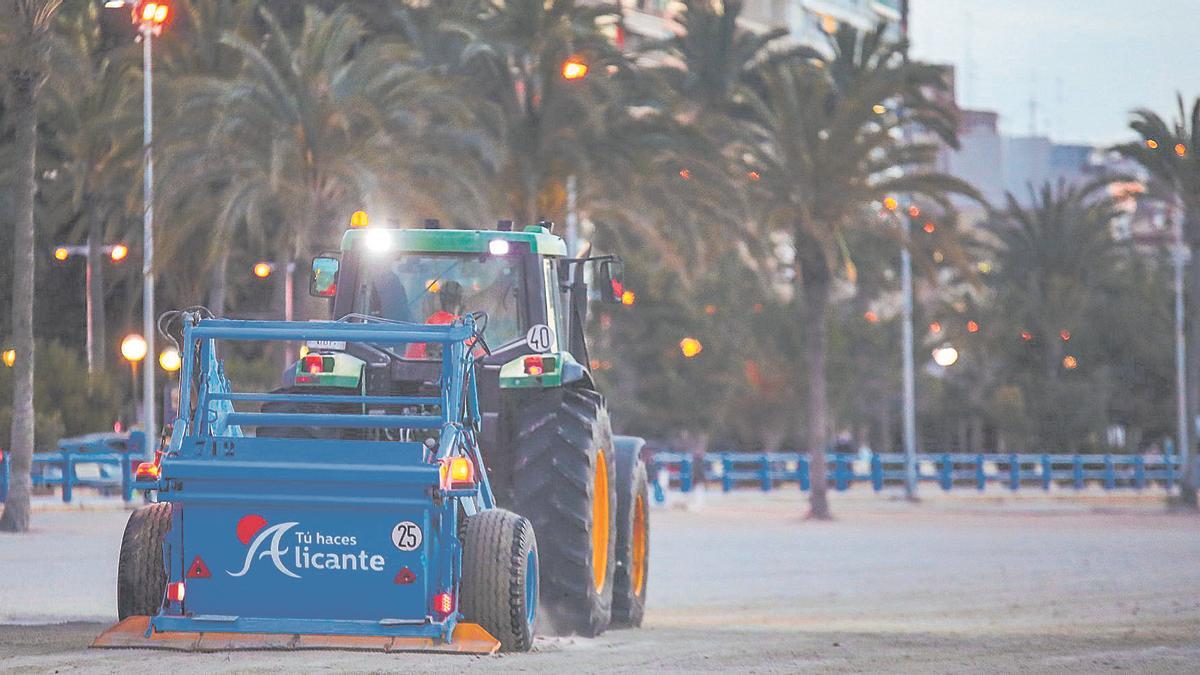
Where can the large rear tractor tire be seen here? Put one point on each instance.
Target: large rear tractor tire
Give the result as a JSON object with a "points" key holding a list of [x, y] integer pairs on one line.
{"points": [[564, 481], [141, 573], [633, 534], [500, 577]]}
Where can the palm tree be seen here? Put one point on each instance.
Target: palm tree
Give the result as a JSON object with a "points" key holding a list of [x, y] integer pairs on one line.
{"points": [[1171, 153], [547, 127], [1057, 269], [827, 144], [25, 45], [313, 127]]}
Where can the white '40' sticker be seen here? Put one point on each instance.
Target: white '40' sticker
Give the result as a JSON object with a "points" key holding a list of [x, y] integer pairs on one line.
{"points": [[540, 338]]}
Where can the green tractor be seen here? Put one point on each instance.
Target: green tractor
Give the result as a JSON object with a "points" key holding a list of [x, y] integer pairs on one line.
{"points": [[546, 437]]}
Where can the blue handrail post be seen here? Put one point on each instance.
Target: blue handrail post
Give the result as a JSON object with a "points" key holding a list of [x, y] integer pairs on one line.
{"points": [[68, 476], [1077, 472], [726, 473], [127, 476], [805, 474], [1110, 475], [839, 473], [980, 474], [3, 476], [1169, 461], [946, 472], [1014, 472], [1047, 472], [1139, 472], [764, 474], [685, 474], [876, 472]]}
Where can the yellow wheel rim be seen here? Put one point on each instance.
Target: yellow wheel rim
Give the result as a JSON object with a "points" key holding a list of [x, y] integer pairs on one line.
{"points": [[639, 545], [600, 522]]}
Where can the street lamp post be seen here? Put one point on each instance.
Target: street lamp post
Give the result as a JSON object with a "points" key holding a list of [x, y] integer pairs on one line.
{"points": [[263, 270], [904, 221], [134, 349], [117, 253], [1180, 256], [148, 398]]}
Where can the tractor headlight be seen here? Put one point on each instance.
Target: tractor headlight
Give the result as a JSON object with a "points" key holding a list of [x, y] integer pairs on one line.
{"points": [[378, 241]]}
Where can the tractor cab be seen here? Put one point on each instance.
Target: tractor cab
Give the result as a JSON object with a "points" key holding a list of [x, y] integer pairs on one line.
{"points": [[527, 297]]}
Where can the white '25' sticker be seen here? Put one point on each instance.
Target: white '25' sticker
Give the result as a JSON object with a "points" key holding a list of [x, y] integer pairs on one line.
{"points": [[407, 536]]}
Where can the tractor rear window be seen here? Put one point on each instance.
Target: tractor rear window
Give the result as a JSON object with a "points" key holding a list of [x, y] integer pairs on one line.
{"points": [[436, 289]]}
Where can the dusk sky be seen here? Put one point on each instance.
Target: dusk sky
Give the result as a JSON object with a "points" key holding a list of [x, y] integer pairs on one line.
{"points": [[1089, 62]]}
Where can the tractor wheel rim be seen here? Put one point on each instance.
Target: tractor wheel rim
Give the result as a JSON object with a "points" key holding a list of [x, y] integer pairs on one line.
{"points": [[531, 586], [600, 518], [638, 563]]}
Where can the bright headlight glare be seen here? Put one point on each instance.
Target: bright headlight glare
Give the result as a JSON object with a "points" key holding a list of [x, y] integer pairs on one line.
{"points": [[498, 247], [378, 241]]}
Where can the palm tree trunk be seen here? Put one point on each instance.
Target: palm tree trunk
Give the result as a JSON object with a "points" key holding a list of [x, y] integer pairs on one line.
{"points": [[95, 263], [816, 339], [24, 116]]}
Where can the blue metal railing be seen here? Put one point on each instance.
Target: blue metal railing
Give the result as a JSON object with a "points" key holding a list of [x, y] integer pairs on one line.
{"points": [[768, 471], [115, 457], [51, 469]]}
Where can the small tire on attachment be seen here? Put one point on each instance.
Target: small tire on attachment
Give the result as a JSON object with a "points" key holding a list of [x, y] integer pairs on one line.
{"points": [[633, 534], [500, 577], [141, 573]]}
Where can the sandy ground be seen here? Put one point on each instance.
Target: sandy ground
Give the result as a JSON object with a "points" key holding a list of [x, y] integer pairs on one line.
{"points": [[744, 584]]}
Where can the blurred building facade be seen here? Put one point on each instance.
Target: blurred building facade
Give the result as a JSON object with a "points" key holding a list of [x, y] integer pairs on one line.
{"points": [[807, 21]]}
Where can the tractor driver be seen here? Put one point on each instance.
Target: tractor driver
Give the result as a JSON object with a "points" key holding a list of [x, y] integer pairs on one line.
{"points": [[450, 297]]}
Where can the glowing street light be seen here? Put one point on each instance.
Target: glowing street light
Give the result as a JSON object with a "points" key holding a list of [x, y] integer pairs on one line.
{"points": [[10, 357], [169, 360], [690, 347], [61, 253], [133, 348], [262, 270], [118, 252], [945, 356]]}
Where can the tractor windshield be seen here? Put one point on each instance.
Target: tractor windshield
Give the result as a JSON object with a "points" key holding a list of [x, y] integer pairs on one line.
{"points": [[436, 289]]}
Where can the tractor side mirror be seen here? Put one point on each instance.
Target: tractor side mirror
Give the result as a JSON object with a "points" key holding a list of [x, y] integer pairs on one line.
{"points": [[612, 281], [322, 283]]}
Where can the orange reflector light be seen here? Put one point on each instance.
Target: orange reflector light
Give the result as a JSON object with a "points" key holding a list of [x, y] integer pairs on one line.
{"points": [[574, 68], [176, 591], [148, 471], [534, 365], [443, 604], [458, 473]]}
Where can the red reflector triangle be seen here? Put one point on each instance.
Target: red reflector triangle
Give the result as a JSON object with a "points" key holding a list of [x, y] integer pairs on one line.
{"points": [[198, 570], [405, 576]]}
